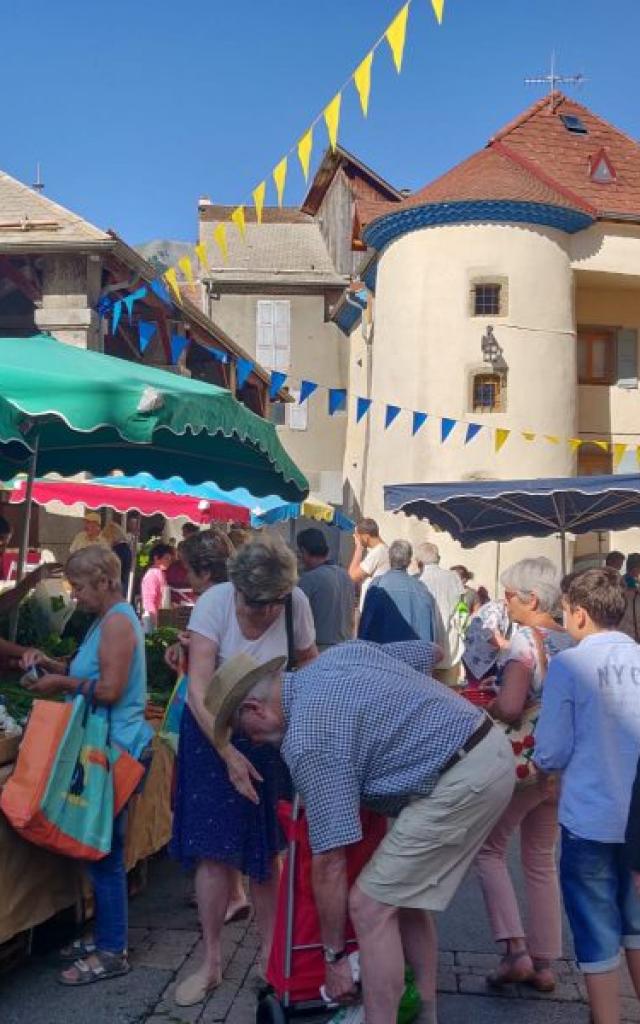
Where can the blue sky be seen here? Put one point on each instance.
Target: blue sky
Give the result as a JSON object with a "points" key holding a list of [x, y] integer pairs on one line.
{"points": [[135, 109]]}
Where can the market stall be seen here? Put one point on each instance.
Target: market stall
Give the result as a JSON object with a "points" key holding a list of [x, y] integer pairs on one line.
{"points": [[68, 410]]}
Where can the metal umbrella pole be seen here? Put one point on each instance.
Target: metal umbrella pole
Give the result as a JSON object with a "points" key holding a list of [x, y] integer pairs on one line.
{"points": [[24, 539]]}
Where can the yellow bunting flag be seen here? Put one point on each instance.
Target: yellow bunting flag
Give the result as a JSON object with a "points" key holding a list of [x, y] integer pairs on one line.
{"points": [[172, 280], [201, 252], [574, 443], [619, 451], [362, 80], [501, 437], [396, 35], [305, 146], [332, 118], [220, 238], [238, 219], [552, 439], [280, 177], [185, 267], [528, 436], [438, 9], [602, 444], [258, 199]]}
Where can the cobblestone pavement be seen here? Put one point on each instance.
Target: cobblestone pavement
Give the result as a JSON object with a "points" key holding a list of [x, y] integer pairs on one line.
{"points": [[165, 946]]}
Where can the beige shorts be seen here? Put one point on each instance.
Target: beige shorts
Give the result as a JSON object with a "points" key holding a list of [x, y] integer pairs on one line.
{"points": [[427, 852]]}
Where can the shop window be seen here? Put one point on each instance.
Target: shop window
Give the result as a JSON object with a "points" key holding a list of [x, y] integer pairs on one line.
{"points": [[488, 392], [594, 460]]}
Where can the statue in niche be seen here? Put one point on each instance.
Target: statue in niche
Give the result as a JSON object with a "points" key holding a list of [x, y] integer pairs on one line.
{"points": [[492, 352]]}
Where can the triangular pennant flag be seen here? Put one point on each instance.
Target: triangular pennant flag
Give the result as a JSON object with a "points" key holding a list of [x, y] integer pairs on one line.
{"points": [[396, 35], [619, 451], [172, 280], [146, 331], [128, 302], [362, 408], [117, 313], [528, 436], [391, 413], [574, 443], [419, 419], [305, 146], [178, 345], [258, 199], [438, 10], [185, 267], [307, 387], [280, 177], [362, 80], [604, 445], [220, 238], [337, 399], [472, 431], [501, 437], [218, 354], [158, 287], [552, 438], [446, 427], [244, 368], [201, 252], [332, 119], [277, 380], [238, 219]]}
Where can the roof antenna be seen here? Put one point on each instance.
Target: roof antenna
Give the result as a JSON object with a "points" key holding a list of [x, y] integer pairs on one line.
{"points": [[38, 185], [554, 79]]}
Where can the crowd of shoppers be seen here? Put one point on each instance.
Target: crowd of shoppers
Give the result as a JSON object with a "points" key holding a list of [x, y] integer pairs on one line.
{"points": [[280, 694]]}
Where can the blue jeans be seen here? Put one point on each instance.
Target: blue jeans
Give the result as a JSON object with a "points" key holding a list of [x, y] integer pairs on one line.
{"points": [[601, 902], [109, 880]]}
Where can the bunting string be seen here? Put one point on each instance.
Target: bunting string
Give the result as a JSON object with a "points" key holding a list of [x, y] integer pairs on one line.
{"points": [[394, 39]]}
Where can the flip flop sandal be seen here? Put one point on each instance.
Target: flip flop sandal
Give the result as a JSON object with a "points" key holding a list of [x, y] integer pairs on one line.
{"points": [[238, 913], [508, 973], [78, 950], [109, 965]]}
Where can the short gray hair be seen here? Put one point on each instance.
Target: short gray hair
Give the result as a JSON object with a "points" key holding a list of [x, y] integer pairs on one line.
{"points": [[264, 570], [400, 554], [534, 577], [428, 553]]}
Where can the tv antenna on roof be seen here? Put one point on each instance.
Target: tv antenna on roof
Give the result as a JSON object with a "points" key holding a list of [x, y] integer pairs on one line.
{"points": [[38, 185], [554, 78]]}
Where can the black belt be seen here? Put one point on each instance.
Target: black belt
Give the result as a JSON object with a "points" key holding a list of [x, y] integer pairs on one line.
{"points": [[473, 741]]}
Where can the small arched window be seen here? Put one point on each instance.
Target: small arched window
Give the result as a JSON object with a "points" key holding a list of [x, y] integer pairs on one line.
{"points": [[488, 392]]}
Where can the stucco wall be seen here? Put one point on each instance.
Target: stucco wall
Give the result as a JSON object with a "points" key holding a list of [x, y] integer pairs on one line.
{"points": [[319, 352], [425, 346], [607, 248]]}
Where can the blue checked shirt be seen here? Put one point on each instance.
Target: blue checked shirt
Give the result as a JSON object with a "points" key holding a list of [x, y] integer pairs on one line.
{"points": [[366, 725]]}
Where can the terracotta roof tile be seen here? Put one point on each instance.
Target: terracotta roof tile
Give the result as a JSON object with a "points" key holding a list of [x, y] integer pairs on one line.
{"points": [[540, 136]]}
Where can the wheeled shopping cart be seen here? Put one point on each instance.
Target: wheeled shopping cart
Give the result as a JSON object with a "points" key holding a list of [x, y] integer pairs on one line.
{"points": [[296, 965]]}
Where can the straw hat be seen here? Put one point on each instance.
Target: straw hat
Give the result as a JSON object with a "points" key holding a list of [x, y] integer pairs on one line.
{"points": [[233, 681], [92, 517]]}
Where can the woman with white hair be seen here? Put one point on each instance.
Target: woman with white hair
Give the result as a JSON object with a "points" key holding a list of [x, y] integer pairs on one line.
{"points": [[225, 814], [532, 593]]}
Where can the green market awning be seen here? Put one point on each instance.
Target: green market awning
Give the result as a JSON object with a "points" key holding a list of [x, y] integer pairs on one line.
{"points": [[96, 413]]}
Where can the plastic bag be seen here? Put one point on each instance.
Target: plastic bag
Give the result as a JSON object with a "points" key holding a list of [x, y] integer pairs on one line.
{"points": [[411, 1002]]}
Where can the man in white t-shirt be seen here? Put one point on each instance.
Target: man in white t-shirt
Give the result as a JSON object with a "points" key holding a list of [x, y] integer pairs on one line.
{"points": [[447, 590], [370, 557]]}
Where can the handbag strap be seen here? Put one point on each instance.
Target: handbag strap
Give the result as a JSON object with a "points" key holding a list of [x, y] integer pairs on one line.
{"points": [[538, 639], [288, 623]]}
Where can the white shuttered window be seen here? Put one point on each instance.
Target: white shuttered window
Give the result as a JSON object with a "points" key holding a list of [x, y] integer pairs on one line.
{"points": [[273, 333], [297, 415]]}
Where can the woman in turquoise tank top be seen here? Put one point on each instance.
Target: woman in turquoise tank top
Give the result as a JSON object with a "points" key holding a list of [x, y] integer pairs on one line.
{"points": [[112, 655]]}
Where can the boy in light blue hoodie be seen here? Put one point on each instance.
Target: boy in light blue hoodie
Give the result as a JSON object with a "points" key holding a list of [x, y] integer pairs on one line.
{"points": [[589, 730]]}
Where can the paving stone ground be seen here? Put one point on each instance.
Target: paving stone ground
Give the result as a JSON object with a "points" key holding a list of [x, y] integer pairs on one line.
{"points": [[165, 946]]}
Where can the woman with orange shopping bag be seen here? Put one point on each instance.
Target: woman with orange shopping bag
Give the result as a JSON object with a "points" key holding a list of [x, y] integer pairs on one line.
{"points": [[109, 666]]}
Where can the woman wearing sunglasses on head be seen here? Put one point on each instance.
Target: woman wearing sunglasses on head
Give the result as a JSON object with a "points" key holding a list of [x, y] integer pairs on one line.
{"points": [[259, 612]]}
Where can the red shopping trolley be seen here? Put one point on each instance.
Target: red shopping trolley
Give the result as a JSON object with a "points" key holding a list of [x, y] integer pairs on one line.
{"points": [[296, 965]]}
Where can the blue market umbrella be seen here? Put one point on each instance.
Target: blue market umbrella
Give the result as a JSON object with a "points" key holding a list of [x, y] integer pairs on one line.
{"points": [[500, 510]]}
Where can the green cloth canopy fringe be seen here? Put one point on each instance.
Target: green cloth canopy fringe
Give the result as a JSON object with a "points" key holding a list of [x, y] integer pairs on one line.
{"points": [[96, 413]]}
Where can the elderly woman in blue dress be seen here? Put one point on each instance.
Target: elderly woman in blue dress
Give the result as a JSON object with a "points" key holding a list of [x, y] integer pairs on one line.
{"points": [[112, 655]]}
